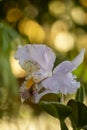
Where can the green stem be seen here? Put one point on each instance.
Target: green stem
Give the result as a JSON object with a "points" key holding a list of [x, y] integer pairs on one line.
{"points": [[63, 125], [62, 98]]}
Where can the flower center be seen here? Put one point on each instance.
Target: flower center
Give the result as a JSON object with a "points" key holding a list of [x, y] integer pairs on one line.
{"points": [[29, 83], [31, 67]]}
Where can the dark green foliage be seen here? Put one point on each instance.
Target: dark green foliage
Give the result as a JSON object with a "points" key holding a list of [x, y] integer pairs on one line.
{"points": [[80, 95], [79, 114], [8, 83], [57, 110]]}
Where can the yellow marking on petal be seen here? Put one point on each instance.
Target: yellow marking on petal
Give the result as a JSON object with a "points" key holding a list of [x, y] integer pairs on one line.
{"points": [[29, 83]]}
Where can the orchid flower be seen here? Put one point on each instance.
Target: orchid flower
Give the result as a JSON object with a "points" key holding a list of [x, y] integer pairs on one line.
{"points": [[38, 61]]}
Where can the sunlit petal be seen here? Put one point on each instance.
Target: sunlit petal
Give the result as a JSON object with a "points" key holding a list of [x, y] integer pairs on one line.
{"points": [[79, 58], [69, 66], [64, 67], [62, 80], [22, 55], [43, 55], [61, 83], [40, 55]]}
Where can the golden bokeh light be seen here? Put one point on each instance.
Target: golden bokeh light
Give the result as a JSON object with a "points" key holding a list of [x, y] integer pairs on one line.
{"points": [[57, 27], [78, 15], [56, 8], [15, 67], [64, 42], [33, 30], [13, 15]]}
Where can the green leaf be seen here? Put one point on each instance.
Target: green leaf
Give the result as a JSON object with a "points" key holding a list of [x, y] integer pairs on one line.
{"points": [[9, 37], [6, 41], [56, 109], [80, 95], [11, 31], [79, 113]]}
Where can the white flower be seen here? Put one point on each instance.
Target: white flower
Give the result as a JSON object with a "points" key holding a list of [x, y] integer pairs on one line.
{"points": [[62, 80], [38, 62]]}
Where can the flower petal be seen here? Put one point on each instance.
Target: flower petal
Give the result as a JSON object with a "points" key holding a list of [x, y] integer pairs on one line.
{"points": [[69, 66], [42, 55], [62, 80], [21, 55], [79, 58], [64, 67], [61, 83]]}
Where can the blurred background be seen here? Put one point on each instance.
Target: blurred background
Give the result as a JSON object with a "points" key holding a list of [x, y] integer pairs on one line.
{"points": [[61, 25]]}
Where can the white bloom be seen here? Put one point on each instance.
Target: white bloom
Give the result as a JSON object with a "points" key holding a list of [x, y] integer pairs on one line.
{"points": [[38, 62], [62, 80]]}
